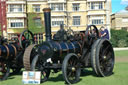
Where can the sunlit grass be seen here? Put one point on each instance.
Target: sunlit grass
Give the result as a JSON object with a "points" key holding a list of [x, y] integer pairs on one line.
{"points": [[120, 77]]}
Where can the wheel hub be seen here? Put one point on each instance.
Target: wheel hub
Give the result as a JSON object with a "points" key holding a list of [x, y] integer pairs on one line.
{"points": [[73, 69], [104, 57]]}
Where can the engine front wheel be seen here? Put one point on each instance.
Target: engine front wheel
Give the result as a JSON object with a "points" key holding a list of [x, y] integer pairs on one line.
{"points": [[71, 69], [37, 66]]}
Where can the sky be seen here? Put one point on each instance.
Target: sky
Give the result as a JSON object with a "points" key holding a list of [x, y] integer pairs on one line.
{"points": [[118, 5]]}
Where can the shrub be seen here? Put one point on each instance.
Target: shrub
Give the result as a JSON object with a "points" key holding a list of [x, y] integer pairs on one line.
{"points": [[119, 38], [122, 43]]}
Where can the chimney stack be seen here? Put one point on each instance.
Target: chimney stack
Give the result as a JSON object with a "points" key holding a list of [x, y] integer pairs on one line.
{"points": [[47, 20]]}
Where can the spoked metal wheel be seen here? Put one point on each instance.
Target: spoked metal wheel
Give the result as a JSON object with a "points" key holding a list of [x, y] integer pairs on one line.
{"points": [[71, 68], [26, 38], [104, 58], [4, 70], [37, 66]]}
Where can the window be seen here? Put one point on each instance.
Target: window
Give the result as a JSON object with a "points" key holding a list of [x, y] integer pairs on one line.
{"points": [[57, 7], [76, 7], [38, 22], [100, 5], [124, 19], [18, 23], [97, 21], [15, 8], [36, 8], [76, 20], [96, 5], [124, 28], [57, 21]]}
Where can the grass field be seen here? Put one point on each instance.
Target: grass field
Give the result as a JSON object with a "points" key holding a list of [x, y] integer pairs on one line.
{"points": [[119, 77]]}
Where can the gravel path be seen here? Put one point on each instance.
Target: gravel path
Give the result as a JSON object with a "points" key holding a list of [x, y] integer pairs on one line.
{"points": [[116, 49], [123, 59]]}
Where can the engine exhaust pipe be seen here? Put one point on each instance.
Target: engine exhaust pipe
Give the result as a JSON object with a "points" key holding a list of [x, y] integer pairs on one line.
{"points": [[47, 20]]}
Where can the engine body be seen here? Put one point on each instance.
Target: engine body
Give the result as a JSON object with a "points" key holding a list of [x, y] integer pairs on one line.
{"points": [[57, 50], [8, 51]]}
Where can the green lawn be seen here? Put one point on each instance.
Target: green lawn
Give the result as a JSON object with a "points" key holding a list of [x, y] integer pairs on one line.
{"points": [[120, 77], [123, 53]]}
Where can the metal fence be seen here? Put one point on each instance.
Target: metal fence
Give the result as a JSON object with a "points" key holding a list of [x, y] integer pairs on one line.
{"points": [[38, 37]]}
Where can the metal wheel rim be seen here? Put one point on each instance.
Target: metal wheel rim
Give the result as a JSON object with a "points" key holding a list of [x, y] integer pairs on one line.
{"points": [[71, 76], [23, 34]]}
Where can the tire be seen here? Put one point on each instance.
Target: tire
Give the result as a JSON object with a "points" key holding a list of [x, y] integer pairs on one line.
{"points": [[93, 55], [71, 58], [104, 58], [35, 66], [5, 74]]}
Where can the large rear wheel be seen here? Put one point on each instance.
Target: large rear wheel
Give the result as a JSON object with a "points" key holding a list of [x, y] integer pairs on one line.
{"points": [[104, 58]]}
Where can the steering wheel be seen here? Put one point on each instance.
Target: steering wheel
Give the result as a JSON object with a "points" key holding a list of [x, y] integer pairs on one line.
{"points": [[91, 34], [26, 38]]}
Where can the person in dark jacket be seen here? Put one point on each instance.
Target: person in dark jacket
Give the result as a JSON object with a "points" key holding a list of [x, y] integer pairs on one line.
{"points": [[104, 33]]}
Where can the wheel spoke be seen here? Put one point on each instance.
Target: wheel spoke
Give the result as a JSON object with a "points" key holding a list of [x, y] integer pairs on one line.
{"points": [[71, 65]]}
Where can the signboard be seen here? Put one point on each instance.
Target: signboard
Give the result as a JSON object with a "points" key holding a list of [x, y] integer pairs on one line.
{"points": [[31, 77]]}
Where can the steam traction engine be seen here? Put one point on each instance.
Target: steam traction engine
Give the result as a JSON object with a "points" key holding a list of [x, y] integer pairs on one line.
{"points": [[11, 53], [69, 52]]}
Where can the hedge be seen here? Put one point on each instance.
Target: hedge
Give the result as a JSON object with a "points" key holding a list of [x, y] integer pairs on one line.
{"points": [[119, 38]]}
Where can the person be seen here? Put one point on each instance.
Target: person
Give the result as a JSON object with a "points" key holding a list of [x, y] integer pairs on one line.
{"points": [[104, 33]]}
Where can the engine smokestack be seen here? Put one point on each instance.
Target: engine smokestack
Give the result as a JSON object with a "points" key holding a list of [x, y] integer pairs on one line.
{"points": [[47, 19]]}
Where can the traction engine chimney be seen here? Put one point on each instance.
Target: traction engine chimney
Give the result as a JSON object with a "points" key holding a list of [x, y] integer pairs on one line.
{"points": [[47, 19]]}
